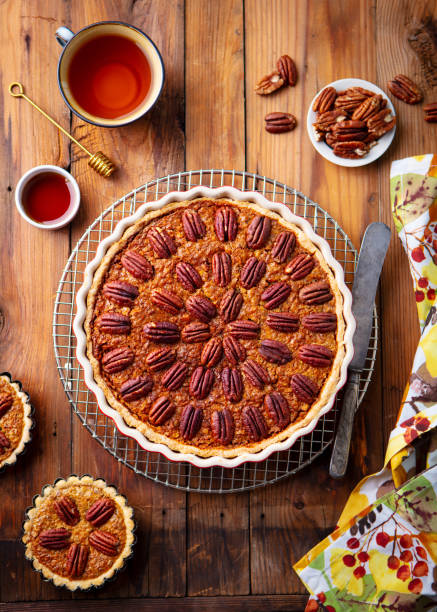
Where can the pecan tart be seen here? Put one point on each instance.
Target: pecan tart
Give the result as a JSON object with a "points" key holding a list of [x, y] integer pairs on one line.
{"points": [[79, 532], [16, 420], [215, 327]]}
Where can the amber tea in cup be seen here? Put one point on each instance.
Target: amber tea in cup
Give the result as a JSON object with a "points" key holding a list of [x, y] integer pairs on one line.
{"points": [[109, 76], [109, 73]]}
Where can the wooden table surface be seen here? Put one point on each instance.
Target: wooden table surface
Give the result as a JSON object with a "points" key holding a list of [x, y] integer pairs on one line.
{"points": [[197, 552]]}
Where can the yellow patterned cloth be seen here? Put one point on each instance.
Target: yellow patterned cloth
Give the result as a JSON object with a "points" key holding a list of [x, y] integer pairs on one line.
{"points": [[383, 553]]}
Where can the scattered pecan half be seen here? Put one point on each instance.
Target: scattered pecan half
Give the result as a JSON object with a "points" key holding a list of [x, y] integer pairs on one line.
{"points": [[269, 83], [405, 89], [287, 70], [431, 112], [279, 123]]}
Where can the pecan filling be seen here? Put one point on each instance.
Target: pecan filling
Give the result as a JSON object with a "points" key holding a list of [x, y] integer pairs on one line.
{"points": [[235, 308]]}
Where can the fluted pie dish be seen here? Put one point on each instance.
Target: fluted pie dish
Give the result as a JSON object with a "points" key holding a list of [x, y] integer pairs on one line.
{"points": [[214, 326]]}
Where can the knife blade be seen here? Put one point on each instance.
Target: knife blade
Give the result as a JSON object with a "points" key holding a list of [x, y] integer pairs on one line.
{"points": [[371, 258]]}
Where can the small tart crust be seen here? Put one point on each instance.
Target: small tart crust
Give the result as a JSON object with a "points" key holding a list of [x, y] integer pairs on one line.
{"points": [[63, 486], [328, 387], [21, 403]]}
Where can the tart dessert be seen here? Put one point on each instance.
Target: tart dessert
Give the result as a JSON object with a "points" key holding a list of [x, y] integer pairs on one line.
{"points": [[79, 532], [16, 420], [215, 327]]}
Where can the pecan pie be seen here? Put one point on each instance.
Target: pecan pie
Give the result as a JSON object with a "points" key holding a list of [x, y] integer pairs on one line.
{"points": [[79, 532], [16, 420], [215, 327]]}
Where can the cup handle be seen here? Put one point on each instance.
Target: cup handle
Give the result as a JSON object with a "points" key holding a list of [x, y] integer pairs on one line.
{"points": [[64, 35]]}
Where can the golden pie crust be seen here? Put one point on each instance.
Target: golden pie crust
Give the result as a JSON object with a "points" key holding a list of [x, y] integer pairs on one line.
{"points": [[42, 516], [16, 423], [199, 253]]}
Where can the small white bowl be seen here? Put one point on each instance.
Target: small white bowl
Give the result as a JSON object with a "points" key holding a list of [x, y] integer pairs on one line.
{"points": [[321, 147], [71, 212]]}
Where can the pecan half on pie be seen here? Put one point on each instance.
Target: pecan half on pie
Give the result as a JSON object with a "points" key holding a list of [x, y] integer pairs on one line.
{"points": [[79, 532], [215, 327], [16, 420]]}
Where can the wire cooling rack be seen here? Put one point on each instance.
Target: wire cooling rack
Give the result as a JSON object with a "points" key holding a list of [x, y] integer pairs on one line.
{"points": [[153, 465]]}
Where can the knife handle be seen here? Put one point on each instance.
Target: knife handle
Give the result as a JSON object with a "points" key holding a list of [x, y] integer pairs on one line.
{"points": [[340, 452]]}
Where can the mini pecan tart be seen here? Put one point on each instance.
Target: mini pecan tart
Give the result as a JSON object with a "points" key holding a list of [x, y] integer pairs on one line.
{"points": [[203, 354], [79, 532], [16, 420]]}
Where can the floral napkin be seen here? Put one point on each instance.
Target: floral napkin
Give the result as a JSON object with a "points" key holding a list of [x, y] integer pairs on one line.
{"points": [[383, 553]]}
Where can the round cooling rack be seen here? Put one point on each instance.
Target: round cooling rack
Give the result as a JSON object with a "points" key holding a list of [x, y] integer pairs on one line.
{"points": [[154, 466]]}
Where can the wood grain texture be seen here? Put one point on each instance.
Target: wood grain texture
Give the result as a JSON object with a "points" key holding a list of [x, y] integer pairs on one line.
{"points": [[31, 261], [276, 603], [151, 147], [218, 550]]}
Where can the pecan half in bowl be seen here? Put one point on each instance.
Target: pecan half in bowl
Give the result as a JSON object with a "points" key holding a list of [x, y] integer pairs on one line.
{"points": [[191, 382], [79, 532], [360, 101]]}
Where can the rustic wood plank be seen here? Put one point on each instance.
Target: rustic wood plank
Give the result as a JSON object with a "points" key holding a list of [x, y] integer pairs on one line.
{"points": [[31, 262], [278, 603], [288, 518], [396, 23], [218, 555], [149, 148]]}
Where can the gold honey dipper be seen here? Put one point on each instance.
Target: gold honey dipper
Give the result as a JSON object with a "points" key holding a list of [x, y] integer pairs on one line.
{"points": [[98, 162]]}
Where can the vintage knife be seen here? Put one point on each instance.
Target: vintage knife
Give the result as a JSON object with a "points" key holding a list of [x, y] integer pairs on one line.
{"points": [[373, 249]]}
